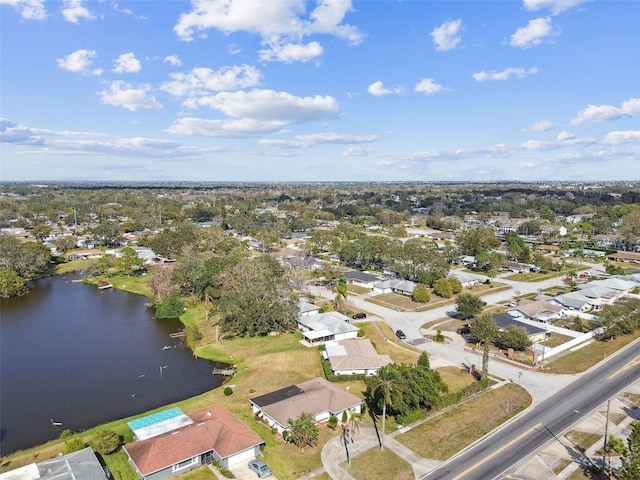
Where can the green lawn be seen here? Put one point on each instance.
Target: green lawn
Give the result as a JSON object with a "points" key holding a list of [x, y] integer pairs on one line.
{"points": [[374, 464]]}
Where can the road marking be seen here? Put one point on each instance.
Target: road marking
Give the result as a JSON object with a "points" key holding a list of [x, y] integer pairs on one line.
{"points": [[631, 364], [497, 452]]}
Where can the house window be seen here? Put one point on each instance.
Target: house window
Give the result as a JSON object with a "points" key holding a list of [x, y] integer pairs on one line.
{"points": [[185, 464]]}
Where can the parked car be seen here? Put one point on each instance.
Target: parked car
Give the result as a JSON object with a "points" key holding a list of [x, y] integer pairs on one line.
{"points": [[359, 316], [259, 467], [400, 334]]}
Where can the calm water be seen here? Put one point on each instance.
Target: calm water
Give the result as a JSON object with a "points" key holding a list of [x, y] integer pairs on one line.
{"points": [[74, 354]]}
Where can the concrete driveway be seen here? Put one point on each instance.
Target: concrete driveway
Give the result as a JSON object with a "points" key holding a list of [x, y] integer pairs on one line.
{"points": [[243, 472]]}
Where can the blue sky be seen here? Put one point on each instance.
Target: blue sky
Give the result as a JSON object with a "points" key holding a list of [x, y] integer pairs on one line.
{"points": [[323, 90]]}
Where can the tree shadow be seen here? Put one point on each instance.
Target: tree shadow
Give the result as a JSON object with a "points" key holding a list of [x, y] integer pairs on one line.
{"points": [[374, 418]]}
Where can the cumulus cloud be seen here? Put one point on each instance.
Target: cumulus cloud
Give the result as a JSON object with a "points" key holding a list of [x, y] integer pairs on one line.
{"points": [[602, 113], [78, 61], [447, 36], [121, 94], [564, 136], [291, 52], [619, 137], [28, 9], [357, 152], [127, 63], [74, 10], [202, 81], [83, 143], [504, 74], [173, 60], [556, 6], [277, 23], [254, 112], [533, 34], [428, 86], [377, 89], [542, 126]]}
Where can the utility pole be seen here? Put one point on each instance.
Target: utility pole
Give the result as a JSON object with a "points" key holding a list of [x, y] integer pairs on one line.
{"points": [[606, 439]]}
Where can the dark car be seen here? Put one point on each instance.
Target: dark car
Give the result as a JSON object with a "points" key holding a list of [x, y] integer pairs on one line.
{"points": [[400, 334], [359, 316], [259, 467]]}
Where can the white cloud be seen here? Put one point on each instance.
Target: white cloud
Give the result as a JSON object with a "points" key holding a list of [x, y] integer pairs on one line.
{"points": [[277, 23], [357, 152], [78, 61], [619, 137], [74, 10], [504, 74], [447, 36], [201, 81], [336, 138], [173, 60], [28, 9], [564, 136], [83, 143], [533, 34], [601, 113], [121, 94], [542, 126], [269, 105], [556, 6], [291, 52], [223, 128], [127, 63], [428, 86], [377, 89]]}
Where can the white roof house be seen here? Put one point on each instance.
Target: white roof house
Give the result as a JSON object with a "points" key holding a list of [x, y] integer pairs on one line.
{"points": [[324, 327], [354, 357]]}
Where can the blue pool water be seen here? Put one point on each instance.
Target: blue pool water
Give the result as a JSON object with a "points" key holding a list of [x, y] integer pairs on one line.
{"points": [[154, 418]]}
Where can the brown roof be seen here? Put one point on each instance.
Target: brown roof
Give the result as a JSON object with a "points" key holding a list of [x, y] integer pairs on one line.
{"points": [[214, 428], [314, 396], [531, 309], [359, 354], [625, 256]]}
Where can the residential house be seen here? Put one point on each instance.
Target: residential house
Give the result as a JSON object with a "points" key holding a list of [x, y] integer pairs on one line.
{"points": [[588, 297], [307, 308], [517, 267], [183, 442], [85, 254], [504, 320], [395, 285], [79, 465], [624, 257], [319, 397], [354, 357], [324, 327], [538, 310], [362, 279], [554, 249], [465, 279]]}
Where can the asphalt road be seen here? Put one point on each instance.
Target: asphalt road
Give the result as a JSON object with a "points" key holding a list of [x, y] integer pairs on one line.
{"points": [[495, 454]]}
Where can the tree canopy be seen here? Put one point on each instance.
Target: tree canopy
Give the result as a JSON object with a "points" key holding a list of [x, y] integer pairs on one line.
{"points": [[255, 298], [468, 305], [485, 331]]}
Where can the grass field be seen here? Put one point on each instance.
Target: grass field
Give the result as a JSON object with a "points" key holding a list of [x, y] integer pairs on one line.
{"points": [[586, 357], [374, 464], [386, 343], [458, 427]]}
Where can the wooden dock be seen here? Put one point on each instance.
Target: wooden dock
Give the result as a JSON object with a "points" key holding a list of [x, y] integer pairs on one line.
{"points": [[178, 334], [227, 372]]}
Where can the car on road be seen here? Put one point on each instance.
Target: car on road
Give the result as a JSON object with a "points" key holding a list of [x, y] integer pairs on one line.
{"points": [[400, 334], [359, 316], [260, 468]]}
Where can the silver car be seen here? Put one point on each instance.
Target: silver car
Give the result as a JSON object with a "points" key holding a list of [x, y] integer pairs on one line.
{"points": [[261, 468]]}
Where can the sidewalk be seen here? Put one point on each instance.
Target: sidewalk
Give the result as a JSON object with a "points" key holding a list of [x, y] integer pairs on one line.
{"points": [[334, 454]]}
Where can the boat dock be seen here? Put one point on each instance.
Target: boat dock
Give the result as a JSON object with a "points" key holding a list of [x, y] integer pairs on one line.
{"points": [[227, 372]]}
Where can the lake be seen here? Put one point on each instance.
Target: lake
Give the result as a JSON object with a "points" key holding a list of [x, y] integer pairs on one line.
{"points": [[76, 355]]}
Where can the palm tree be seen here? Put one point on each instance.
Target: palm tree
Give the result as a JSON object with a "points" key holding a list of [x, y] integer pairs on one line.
{"points": [[341, 291], [385, 385], [485, 330]]}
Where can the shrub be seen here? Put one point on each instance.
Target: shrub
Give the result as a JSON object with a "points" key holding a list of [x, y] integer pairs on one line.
{"points": [[443, 288], [228, 391], [345, 417], [438, 337], [421, 294], [193, 334], [171, 307], [333, 422], [66, 433], [105, 442], [360, 333], [74, 444]]}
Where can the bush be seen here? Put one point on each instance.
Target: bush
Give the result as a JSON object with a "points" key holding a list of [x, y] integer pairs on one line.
{"points": [[66, 433], [333, 422], [421, 294], [171, 307], [193, 334], [438, 337], [443, 288], [360, 333], [74, 444], [228, 391], [345, 417], [105, 442]]}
